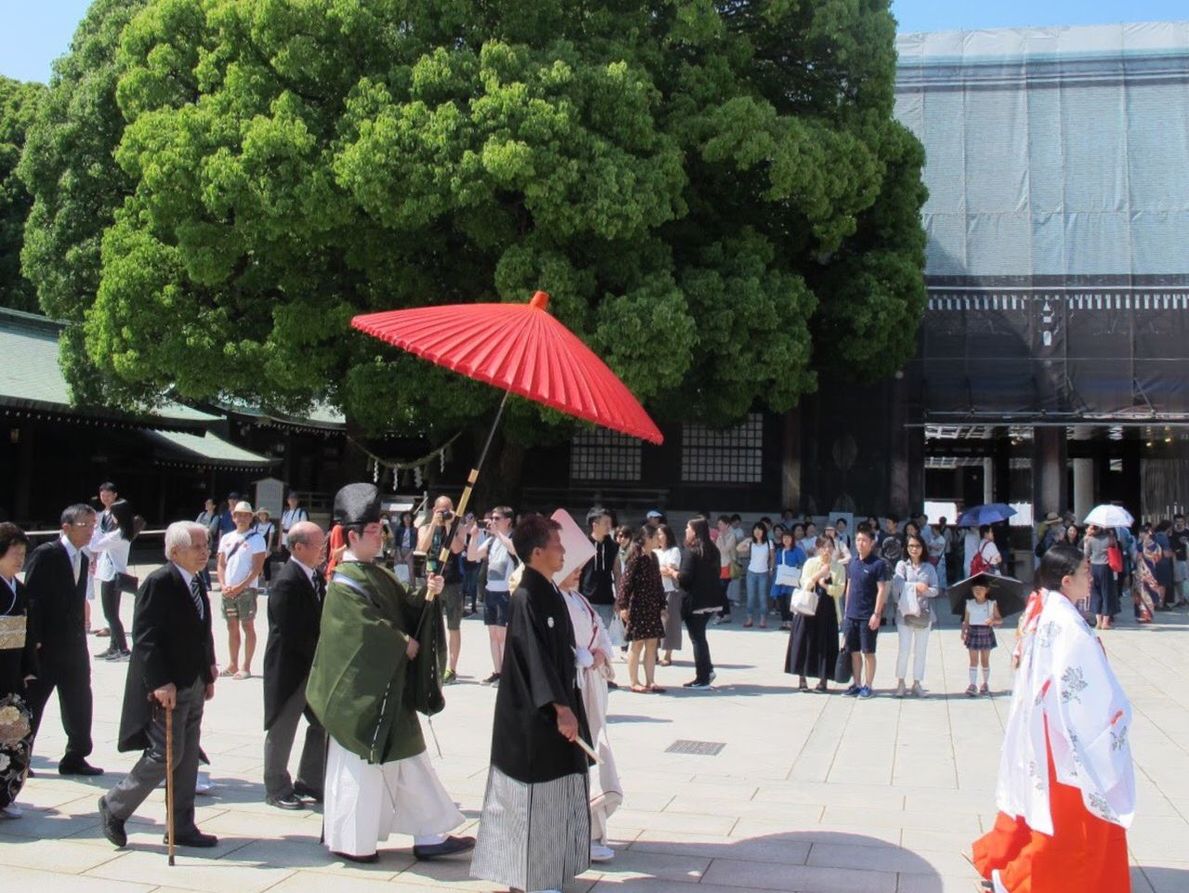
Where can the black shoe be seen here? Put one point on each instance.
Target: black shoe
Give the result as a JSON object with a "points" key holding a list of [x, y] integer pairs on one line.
{"points": [[193, 838], [288, 801], [78, 767], [447, 847], [493, 679], [306, 792], [113, 828], [106, 654], [365, 860], [611, 685]]}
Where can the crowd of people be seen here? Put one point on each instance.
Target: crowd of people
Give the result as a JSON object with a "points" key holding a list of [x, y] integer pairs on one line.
{"points": [[365, 626]]}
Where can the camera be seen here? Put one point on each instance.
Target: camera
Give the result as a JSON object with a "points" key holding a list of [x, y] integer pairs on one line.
{"points": [[446, 516]]}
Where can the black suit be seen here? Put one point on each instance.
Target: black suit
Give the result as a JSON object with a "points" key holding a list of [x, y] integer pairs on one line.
{"points": [[58, 626], [294, 620], [171, 642]]}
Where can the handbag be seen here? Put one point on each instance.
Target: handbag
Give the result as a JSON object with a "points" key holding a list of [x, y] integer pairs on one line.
{"points": [[787, 575], [843, 667], [804, 601], [908, 604]]}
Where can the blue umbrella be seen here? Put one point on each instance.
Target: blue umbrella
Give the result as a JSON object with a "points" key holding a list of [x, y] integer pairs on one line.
{"points": [[992, 513]]}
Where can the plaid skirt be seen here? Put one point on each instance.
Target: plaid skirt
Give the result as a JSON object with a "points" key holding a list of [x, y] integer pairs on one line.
{"points": [[980, 638]]}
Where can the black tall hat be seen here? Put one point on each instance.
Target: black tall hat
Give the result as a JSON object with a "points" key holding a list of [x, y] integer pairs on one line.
{"points": [[357, 504]]}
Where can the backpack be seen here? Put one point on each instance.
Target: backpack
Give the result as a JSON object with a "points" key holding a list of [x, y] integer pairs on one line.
{"points": [[979, 564]]}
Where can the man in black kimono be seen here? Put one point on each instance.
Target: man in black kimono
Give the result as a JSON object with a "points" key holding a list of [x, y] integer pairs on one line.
{"points": [[535, 829]]}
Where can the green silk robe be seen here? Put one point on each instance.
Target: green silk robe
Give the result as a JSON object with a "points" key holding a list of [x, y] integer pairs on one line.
{"points": [[362, 686]]}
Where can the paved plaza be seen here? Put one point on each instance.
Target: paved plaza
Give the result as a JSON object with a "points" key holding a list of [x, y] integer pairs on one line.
{"points": [[809, 793]]}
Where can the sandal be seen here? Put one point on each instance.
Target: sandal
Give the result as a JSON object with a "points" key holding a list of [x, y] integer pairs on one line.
{"points": [[243, 674], [665, 662], [228, 671], [803, 685], [822, 687], [639, 689], [656, 689], [747, 623]]}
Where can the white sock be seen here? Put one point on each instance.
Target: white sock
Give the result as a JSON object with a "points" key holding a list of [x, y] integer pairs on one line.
{"points": [[428, 839], [986, 675], [974, 675]]}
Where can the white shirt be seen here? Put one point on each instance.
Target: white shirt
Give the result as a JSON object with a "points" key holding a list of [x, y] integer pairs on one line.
{"points": [[112, 550], [978, 614], [670, 557], [75, 555], [499, 565], [239, 565], [289, 517], [758, 562]]}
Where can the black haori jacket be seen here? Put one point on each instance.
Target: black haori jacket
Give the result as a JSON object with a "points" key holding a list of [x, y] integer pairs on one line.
{"points": [[538, 671]]}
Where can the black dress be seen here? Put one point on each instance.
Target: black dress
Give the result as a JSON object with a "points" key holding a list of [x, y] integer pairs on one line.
{"points": [[17, 660], [644, 598], [813, 641]]}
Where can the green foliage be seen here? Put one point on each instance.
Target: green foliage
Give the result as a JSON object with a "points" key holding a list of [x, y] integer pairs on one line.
{"points": [[709, 190], [68, 167], [18, 107]]}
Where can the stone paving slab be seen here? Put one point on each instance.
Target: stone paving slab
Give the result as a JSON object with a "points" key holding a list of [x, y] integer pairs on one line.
{"points": [[811, 793]]}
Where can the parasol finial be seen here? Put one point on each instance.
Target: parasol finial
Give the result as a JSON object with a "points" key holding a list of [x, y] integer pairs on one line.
{"points": [[540, 300]]}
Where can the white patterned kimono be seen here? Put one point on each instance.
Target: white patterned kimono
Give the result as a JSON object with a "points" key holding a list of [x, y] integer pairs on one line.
{"points": [[1064, 678], [606, 793]]}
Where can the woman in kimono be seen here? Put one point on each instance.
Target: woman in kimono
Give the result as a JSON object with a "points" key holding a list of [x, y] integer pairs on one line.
{"points": [[1066, 791], [18, 665], [592, 653]]}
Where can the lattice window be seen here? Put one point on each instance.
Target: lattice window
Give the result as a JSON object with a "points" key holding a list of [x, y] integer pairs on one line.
{"points": [[604, 456], [727, 456]]}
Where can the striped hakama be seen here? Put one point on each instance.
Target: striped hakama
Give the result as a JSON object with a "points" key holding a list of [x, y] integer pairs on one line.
{"points": [[533, 836]]}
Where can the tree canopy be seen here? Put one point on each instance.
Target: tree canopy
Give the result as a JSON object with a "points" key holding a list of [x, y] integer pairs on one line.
{"points": [[715, 194], [18, 107]]}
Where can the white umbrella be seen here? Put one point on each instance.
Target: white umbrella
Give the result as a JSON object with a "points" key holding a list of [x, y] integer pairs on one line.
{"points": [[1109, 516]]}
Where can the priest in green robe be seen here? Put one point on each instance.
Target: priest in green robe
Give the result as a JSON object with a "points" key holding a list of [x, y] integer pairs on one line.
{"points": [[371, 673]]}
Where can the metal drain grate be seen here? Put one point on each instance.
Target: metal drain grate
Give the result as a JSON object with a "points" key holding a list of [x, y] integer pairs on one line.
{"points": [[697, 748]]}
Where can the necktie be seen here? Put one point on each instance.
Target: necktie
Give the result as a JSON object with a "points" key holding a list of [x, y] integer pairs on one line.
{"points": [[76, 561], [196, 595], [319, 586]]}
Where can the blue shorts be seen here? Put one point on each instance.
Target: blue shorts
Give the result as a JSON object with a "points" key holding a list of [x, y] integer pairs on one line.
{"points": [[495, 608], [859, 636]]}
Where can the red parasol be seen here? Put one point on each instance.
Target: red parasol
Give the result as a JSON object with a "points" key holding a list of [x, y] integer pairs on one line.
{"points": [[519, 348], [522, 349]]}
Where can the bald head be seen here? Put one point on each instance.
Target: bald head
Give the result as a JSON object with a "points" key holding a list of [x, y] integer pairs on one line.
{"points": [[307, 543]]}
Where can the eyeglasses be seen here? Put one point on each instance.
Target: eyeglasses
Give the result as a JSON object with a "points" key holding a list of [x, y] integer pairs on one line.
{"points": [[82, 523]]}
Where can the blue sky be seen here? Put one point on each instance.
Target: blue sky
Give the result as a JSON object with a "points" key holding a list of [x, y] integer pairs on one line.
{"points": [[33, 34]]}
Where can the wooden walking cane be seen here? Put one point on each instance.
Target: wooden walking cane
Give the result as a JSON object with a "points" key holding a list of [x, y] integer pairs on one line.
{"points": [[169, 781]]}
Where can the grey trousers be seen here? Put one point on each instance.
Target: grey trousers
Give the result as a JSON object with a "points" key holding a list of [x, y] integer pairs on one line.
{"points": [[148, 773], [278, 744]]}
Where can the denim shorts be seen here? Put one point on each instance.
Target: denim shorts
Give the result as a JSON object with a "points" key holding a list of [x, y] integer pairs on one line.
{"points": [[495, 608]]}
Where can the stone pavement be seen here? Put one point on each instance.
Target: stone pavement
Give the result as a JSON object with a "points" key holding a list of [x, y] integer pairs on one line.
{"points": [[810, 793]]}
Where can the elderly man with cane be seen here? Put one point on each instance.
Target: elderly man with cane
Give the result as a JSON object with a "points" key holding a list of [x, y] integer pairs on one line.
{"points": [[170, 677]]}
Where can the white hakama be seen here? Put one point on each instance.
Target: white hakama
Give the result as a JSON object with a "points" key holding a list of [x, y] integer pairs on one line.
{"points": [[365, 802]]}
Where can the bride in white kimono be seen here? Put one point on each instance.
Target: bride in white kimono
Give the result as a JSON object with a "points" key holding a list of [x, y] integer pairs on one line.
{"points": [[592, 652]]}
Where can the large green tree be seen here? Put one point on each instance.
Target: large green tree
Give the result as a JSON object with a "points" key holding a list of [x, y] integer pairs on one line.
{"points": [[705, 187], [18, 107], [70, 168]]}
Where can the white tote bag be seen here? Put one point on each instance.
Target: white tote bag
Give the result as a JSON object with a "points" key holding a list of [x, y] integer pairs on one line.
{"points": [[804, 601], [908, 602], [787, 575]]}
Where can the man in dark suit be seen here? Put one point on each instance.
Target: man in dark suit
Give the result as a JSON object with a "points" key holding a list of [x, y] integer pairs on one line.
{"points": [[294, 616], [56, 580], [172, 668]]}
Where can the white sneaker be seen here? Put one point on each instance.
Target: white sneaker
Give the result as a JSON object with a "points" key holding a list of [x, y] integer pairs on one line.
{"points": [[12, 811], [600, 853], [203, 784]]}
